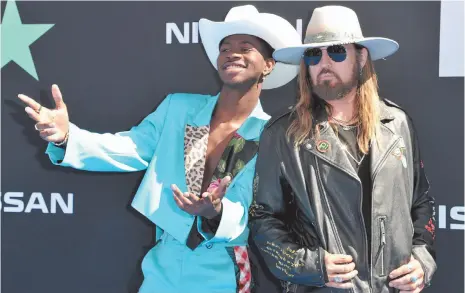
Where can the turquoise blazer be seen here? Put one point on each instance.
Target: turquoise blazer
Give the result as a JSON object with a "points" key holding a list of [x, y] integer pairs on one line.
{"points": [[157, 145]]}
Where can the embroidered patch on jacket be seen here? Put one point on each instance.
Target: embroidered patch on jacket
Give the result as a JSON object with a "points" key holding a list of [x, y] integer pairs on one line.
{"points": [[400, 153], [195, 152]]}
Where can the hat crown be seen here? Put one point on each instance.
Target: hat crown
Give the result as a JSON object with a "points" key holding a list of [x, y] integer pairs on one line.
{"points": [[241, 12], [333, 23], [246, 19]]}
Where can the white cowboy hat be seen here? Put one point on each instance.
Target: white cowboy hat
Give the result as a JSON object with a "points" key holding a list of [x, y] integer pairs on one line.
{"points": [[336, 25], [274, 30]]}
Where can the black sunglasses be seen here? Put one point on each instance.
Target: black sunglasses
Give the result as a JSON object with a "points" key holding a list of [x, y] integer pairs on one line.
{"points": [[312, 56]]}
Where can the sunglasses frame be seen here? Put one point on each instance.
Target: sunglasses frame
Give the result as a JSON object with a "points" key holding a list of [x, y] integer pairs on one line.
{"points": [[316, 59]]}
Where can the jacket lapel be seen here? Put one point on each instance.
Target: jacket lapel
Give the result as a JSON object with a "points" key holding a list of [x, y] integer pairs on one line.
{"points": [[196, 134], [386, 141], [195, 153], [326, 145]]}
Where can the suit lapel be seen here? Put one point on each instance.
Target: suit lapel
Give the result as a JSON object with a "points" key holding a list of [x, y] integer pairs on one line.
{"points": [[195, 153]]}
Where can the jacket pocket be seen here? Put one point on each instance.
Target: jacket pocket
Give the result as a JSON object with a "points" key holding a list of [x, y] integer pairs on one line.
{"points": [[380, 255]]}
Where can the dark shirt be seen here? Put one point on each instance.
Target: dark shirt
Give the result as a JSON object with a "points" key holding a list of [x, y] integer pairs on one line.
{"points": [[348, 137]]}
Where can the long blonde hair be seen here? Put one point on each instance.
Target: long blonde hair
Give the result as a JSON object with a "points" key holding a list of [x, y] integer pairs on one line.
{"points": [[367, 107]]}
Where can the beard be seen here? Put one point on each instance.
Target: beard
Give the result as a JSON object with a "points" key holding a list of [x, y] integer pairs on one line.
{"points": [[329, 90]]}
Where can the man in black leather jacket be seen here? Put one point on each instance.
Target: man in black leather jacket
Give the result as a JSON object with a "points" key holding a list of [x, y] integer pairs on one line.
{"points": [[341, 199]]}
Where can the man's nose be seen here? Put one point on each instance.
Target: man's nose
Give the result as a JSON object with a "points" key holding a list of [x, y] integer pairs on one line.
{"points": [[325, 61], [233, 56]]}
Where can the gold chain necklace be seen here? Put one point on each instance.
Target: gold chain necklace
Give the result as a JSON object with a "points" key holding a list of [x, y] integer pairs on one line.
{"points": [[344, 124], [344, 146]]}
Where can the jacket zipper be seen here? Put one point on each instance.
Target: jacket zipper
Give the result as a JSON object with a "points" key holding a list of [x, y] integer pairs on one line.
{"points": [[382, 245]]}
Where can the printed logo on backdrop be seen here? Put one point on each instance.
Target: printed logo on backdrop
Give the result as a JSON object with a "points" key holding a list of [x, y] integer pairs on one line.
{"points": [[37, 202], [17, 37], [452, 218], [188, 32], [451, 48]]}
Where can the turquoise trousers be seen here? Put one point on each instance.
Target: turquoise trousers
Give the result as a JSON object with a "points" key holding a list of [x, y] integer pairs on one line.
{"points": [[172, 267]]}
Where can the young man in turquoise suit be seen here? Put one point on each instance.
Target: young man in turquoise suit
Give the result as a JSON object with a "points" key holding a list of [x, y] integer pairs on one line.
{"points": [[199, 152]]}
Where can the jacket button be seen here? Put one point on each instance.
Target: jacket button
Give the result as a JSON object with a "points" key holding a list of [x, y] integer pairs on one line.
{"points": [[308, 146], [209, 246]]}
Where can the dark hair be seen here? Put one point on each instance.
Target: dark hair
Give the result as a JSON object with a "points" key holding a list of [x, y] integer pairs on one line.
{"points": [[267, 49], [358, 46]]}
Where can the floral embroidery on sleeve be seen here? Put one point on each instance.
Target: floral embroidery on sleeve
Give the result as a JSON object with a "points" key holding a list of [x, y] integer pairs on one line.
{"points": [[431, 228]]}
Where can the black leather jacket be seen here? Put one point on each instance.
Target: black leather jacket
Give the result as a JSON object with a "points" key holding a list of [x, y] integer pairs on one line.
{"points": [[307, 202]]}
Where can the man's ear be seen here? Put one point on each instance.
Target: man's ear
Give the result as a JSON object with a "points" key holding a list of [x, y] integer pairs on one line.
{"points": [[363, 57], [269, 66]]}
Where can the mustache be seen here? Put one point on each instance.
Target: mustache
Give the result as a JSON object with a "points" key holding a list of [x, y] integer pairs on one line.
{"points": [[325, 71]]}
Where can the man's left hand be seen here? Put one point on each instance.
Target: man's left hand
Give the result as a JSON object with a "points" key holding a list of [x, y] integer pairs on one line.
{"points": [[207, 206], [408, 278]]}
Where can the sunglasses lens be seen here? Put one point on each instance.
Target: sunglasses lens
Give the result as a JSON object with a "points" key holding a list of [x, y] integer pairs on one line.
{"points": [[338, 53], [312, 56]]}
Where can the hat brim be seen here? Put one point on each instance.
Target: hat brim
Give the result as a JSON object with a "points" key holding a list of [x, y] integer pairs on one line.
{"points": [[212, 33], [379, 48]]}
